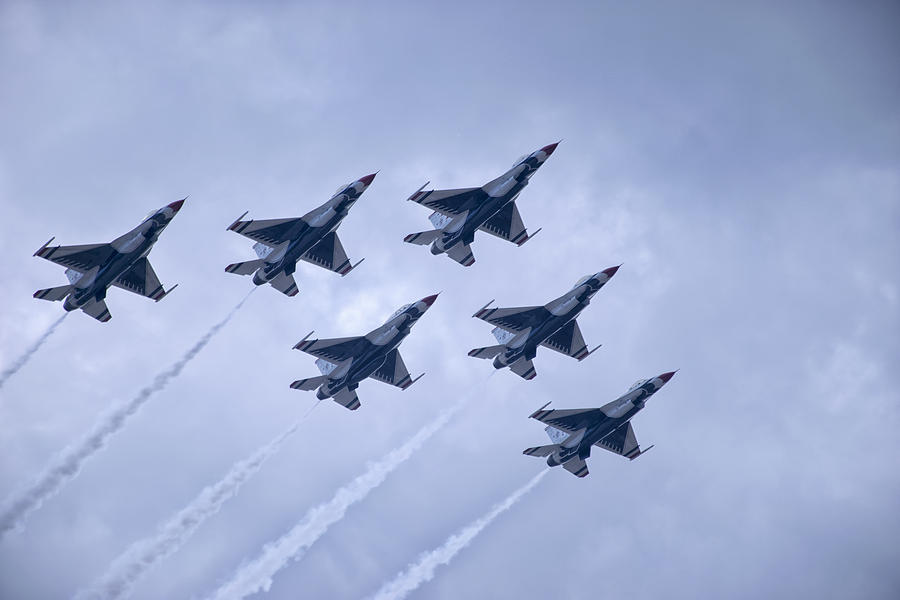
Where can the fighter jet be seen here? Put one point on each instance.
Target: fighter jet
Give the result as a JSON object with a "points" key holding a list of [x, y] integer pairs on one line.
{"points": [[344, 362], [491, 208], [92, 268], [520, 331], [280, 243], [574, 432]]}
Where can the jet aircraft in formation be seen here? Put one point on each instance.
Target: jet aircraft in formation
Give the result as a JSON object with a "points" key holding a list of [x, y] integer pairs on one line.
{"points": [[92, 268], [575, 432], [520, 331], [491, 208], [280, 243], [344, 362]]}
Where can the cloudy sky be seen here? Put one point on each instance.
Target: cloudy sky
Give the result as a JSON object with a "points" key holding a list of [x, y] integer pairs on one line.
{"points": [[741, 160]]}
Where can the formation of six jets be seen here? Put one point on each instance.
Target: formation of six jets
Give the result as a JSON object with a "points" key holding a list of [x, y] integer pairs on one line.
{"points": [[345, 362]]}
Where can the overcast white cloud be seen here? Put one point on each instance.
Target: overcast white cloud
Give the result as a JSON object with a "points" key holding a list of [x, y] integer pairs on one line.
{"points": [[742, 161]]}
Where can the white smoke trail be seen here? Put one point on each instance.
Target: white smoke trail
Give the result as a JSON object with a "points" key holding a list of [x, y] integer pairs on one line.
{"points": [[423, 570], [69, 462], [257, 575], [124, 573], [20, 362]]}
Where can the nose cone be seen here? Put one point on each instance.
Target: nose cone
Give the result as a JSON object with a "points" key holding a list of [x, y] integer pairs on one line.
{"points": [[367, 180], [548, 149], [610, 271], [429, 300], [176, 206], [666, 376]]}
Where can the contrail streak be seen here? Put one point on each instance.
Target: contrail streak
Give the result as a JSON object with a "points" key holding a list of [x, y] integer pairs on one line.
{"points": [[423, 570], [69, 462], [20, 362], [257, 575], [127, 570]]}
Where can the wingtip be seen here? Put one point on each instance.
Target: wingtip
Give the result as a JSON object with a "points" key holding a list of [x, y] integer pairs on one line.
{"points": [[482, 309], [44, 247], [418, 191], [236, 221], [538, 411], [306, 337]]}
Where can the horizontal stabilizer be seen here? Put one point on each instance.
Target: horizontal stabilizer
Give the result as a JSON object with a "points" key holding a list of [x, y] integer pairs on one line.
{"points": [[576, 467], [524, 369], [423, 238], [487, 351], [462, 253], [541, 450], [285, 284], [309, 384], [245, 268], [54, 294], [347, 398], [98, 310]]}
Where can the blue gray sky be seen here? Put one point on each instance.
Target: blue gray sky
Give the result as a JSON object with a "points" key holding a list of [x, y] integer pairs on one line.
{"points": [[741, 160]]}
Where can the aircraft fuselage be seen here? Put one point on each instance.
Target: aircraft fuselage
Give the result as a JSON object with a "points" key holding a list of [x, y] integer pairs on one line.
{"points": [[561, 311], [494, 196], [382, 341], [129, 248], [617, 412], [308, 232]]}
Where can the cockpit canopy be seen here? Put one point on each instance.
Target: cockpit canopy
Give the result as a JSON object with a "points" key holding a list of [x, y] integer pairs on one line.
{"points": [[638, 384], [340, 189], [400, 311], [583, 280], [520, 159]]}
